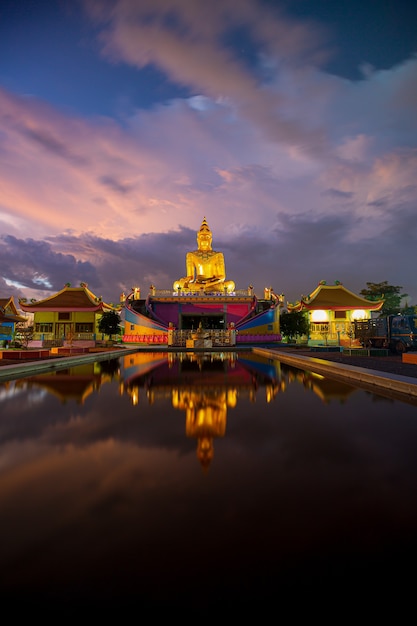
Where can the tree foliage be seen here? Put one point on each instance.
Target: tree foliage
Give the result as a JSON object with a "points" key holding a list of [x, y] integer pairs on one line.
{"points": [[293, 324], [23, 334], [109, 323], [389, 293]]}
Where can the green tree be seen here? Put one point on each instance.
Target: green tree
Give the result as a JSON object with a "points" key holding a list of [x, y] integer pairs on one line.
{"points": [[408, 309], [389, 293], [293, 324], [23, 334], [109, 323]]}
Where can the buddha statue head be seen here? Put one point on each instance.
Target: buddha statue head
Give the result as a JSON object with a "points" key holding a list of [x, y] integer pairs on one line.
{"points": [[204, 237]]}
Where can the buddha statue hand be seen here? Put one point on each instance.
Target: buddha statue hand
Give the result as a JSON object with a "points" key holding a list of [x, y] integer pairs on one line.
{"points": [[182, 283], [218, 285]]}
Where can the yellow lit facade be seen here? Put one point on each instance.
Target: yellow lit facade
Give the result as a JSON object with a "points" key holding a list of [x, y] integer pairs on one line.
{"points": [[72, 314], [331, 311]]}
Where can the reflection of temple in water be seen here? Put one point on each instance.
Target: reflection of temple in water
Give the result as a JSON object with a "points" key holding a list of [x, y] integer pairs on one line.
{"points": [[75, 383], [205, 416], [204, 386], [325, 388]]}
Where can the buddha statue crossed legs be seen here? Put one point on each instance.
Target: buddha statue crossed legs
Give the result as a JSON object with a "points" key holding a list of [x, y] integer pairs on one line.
{"points": [[205, 267]]}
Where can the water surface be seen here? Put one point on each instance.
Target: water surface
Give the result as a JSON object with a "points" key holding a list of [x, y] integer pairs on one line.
{"points": [[201, 481]]}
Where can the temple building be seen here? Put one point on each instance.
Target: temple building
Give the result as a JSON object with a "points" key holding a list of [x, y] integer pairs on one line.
{"points": [[72, 314], [9, 317], [331, 310], [203, 308]]}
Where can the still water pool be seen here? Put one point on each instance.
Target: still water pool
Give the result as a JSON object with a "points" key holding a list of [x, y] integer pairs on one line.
{"points": [[202, 481]]}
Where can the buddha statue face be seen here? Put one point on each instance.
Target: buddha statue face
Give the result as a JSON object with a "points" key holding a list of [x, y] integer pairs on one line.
{"points": [[204, 237]]}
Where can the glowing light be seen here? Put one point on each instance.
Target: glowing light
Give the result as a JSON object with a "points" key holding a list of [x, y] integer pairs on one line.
{"points": [[319, 316], [358, 314]]}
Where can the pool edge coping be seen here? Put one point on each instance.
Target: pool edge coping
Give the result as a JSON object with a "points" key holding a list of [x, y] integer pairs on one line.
{"points": [[356, 375]]}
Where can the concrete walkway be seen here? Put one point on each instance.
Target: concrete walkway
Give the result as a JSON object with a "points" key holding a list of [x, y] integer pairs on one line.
{"points": [[19, 370], [381, 382]]}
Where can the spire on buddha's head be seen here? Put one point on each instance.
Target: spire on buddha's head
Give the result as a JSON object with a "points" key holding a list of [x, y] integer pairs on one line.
{"points": [[204, 228]]}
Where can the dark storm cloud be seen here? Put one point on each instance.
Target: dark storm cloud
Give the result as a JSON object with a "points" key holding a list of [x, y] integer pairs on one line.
{"points": [[114, 266], [35, 265], [8, 291], [326, 248], [286, 259], [292, 256]]}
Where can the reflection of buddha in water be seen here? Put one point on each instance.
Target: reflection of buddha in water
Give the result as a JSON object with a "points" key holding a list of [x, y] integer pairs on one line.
{"points": [[205, 267], [206, 414]]}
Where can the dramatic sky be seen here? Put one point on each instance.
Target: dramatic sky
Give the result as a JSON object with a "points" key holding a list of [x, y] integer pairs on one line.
{"points": [[291, 125]]}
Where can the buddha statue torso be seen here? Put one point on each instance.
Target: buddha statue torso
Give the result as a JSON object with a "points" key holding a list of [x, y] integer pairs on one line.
{"points": [[205, 267]]}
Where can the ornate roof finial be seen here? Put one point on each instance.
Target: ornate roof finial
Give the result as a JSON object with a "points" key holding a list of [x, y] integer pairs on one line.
{"points": [[204, 226]]}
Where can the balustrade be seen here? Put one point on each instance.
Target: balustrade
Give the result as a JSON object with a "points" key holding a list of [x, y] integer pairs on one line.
{"points": [[169, 293], [218, 337]]}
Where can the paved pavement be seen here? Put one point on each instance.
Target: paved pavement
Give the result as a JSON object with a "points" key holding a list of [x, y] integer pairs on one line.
{"points": [[389, 383], [391, 364]]}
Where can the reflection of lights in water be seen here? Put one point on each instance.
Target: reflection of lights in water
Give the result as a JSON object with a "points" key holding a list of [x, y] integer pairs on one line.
{"points": [[9, 390], [133, 393], [34, 396], [232, 395], [204, 385], [205, 416], [270, 392], [37, 396]]}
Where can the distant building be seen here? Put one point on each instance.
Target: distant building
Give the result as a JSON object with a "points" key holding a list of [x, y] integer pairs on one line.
{"points": [[9, 317], [331, 310], [72, 314]]}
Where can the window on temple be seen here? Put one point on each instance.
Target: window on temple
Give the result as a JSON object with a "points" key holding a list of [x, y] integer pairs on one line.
{"points": [[43, 328], [319, 328], [84, 327], [64, 316]]}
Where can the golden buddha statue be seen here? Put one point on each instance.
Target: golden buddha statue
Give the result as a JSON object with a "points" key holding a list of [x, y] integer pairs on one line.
{"points": [[205, 267]]}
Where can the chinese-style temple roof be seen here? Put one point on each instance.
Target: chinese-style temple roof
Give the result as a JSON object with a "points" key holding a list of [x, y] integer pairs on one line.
{"points": [[8, 311], [334, 297], [67, 300]]}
